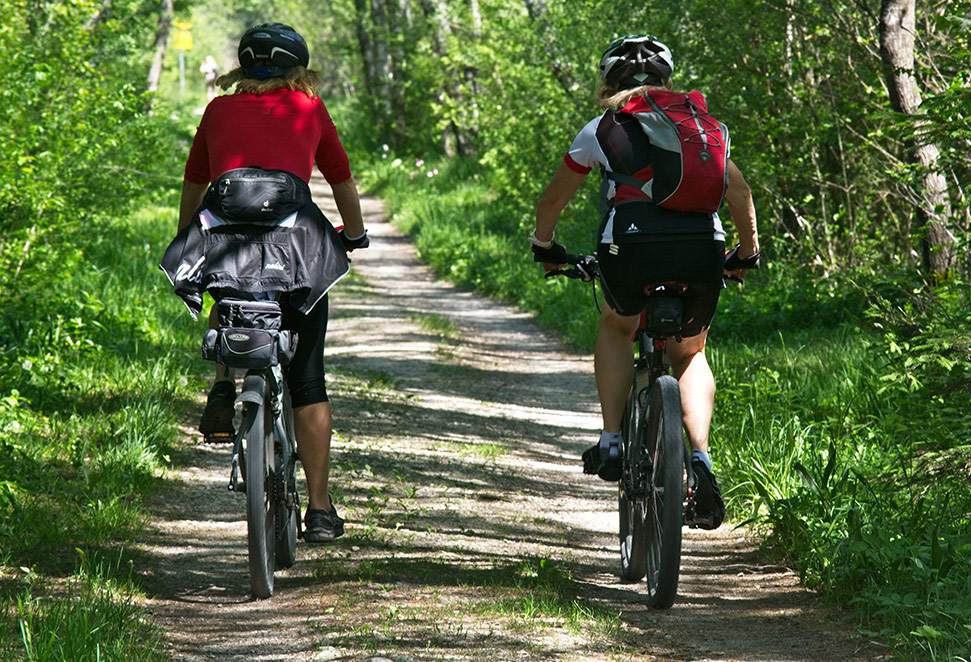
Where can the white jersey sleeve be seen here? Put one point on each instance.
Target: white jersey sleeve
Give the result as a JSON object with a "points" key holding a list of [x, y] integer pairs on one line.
{"points": [[585, 150]]}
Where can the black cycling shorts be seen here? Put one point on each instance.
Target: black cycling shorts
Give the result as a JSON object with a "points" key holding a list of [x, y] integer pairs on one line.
{"points": [[305, 374], [696, 263]]}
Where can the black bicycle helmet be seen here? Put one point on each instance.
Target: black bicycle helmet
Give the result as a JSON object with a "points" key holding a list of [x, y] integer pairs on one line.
{"points": [[270, 49], [636, 60]]}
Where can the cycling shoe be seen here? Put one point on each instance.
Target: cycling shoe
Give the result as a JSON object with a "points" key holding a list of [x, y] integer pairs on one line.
{"points": [[709, 506], [217, 418], [607, 468]]}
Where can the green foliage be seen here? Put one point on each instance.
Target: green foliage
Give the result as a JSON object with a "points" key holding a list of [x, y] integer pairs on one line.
{"points": [[71, 87], [924, 331], [97, 620], [91, 389], [844, 437], [850, 450], [88, 387]]}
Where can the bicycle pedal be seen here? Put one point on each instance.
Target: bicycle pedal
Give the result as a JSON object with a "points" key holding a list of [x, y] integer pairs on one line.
{"points": [[218, 437]]}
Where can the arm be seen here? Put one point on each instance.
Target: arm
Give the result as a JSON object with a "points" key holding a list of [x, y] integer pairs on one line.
{"points": [[561, 189], [740, 204], [738, 197], [192, 195], [348, 202]]}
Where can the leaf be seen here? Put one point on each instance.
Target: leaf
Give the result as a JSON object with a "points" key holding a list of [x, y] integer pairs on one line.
{"points": [[807, 478]]}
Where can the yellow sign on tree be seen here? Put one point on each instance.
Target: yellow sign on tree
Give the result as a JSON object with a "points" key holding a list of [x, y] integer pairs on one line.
{"points": [[183, 38]]}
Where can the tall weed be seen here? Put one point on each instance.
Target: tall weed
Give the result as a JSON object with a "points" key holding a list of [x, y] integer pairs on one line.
{"points": [[93, 617]]}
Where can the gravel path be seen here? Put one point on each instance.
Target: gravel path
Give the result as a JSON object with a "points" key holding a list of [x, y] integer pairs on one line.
{"points": [[471, 532]]}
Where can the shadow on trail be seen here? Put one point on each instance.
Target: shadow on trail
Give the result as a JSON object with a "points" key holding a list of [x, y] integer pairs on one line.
{"points": [[471, 533]]}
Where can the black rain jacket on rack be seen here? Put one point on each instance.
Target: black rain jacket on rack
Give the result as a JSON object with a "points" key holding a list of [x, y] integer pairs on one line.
{"points": [[299, 256]]}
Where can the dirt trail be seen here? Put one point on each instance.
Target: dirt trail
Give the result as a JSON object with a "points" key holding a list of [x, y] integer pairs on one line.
{"points": [[459, 424]]}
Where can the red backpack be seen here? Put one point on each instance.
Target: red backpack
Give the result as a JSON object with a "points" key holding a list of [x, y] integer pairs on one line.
{"points": [[689, 169]]}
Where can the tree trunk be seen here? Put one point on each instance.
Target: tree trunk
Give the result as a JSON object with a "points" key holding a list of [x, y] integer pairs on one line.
{"points": [[381, 53], [372, 37], [401, 33], [897, 27], [456, 140], [166, 13]]}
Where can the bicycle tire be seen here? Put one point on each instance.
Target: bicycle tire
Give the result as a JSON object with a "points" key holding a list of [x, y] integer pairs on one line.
{"points": [[665, 442], [633, 529], [286, 514], [260, 513]]}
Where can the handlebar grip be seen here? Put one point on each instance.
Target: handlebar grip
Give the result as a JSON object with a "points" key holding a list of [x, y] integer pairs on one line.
{"points": [[584, 268]]}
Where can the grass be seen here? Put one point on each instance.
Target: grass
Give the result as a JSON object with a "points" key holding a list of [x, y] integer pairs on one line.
{"points": [[92, 379], [92, 616], [847, 448], [437, 325]]}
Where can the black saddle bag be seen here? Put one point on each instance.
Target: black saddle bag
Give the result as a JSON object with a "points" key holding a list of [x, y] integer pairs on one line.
{"points": [[664, 316], [256, 195], [249, 335]]}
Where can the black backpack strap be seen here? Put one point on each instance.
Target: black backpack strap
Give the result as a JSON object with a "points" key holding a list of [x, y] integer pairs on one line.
{"points": [[605, 203], [621, 178]]}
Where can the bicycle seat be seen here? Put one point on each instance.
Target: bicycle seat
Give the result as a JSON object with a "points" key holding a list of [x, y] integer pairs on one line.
{"points": [[667, 289]]}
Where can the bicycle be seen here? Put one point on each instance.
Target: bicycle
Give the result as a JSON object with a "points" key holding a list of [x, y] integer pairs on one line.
{"points": [[249, 336], [656, 491]]}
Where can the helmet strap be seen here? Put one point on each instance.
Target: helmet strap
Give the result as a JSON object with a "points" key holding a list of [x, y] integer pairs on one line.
{"points": [[261, 72]]}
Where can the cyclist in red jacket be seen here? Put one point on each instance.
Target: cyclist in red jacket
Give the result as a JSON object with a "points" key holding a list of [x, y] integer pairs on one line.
{"points": [[641, 243], [275, 120]]}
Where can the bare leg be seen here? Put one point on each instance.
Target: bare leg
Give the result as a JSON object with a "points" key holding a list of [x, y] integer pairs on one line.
{"points": [[312, 424], [613, 364], [697, 385]]}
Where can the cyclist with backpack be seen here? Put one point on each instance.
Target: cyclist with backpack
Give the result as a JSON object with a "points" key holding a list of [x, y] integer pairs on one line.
{"points": [[275, 123], [666, 171]]}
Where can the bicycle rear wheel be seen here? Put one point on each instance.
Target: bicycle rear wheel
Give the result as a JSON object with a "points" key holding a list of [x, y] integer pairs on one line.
{"points": [[287, 509], [630, 499], [260, 513], [665, 444]]}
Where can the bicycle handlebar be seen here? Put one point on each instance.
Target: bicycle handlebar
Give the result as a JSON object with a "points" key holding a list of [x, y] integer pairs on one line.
{"points": [[585, 268]]}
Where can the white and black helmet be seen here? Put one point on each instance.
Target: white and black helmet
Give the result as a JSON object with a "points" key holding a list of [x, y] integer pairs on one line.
{"points": [[636, 60], [270, 49]]}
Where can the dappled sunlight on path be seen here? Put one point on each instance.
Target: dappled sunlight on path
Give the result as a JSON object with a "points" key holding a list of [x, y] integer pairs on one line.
{"points": [[459, 423]]}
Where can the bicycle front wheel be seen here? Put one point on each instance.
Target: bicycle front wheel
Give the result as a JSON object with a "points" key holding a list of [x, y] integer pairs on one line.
{"points": [[664, 441], [260, 513]]}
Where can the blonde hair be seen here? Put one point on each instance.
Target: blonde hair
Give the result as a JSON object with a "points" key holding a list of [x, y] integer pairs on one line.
{"points": [[298, 78], [613, 99]]}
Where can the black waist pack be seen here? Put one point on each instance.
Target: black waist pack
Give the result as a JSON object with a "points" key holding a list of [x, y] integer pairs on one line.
{"points": [[249, 335], [256, 195]]}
